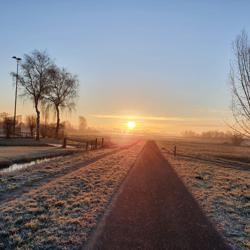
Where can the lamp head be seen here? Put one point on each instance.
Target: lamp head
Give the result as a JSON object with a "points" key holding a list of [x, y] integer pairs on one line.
{"points": [[17, 58]]}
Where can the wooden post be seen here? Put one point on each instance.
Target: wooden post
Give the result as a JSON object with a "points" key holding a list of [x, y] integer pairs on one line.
{"points": [[87, 145], [96, 143], [64, 142], [175, 151], [102, 142]]}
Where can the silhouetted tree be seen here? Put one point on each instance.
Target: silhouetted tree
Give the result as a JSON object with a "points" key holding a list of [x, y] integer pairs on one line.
{"points": [[63, 88], [34, 80], [237, 139], [45, 112], [190, 133], [82, 123], [31, 123], [240, 82], [8, 124]]}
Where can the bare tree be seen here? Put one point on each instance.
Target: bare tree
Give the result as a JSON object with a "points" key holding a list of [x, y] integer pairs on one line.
{"points": [[240, 82], [34, 80], [8, 126], [63, 88], [82, 123], [237, 139], [31, 123]]}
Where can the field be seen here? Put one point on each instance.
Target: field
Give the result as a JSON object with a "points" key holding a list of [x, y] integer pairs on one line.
{"points": [[19, 154], [218, 176], [56, 204], [21, 150]]}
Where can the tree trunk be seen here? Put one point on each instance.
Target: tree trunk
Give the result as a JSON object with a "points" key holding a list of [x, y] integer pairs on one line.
{"points": [[37, 123], [31, 131], [57, 121]]}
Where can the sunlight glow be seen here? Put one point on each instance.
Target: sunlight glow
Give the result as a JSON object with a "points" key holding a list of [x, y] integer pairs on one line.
{"points": [[131, 125]]}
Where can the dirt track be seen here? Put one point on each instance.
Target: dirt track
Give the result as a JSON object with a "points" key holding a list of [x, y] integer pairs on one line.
{"points": [[154, 210]]}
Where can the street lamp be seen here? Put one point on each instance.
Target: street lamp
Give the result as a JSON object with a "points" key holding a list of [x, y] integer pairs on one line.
{"points": [[18, 59]]}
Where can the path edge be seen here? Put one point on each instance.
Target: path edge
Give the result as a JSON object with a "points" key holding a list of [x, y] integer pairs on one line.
{"points": [[90, 243]]}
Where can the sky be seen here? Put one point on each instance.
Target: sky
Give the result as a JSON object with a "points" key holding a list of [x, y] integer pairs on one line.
{"points": [[164, 64]]}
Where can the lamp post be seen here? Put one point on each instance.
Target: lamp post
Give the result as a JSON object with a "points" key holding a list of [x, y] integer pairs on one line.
{"points": [[18, 59]]}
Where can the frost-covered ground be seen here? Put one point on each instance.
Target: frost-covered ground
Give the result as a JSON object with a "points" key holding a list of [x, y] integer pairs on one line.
{"points": [[61, 213], [40, 172], [7, 151], [17, 154], [219, 178]]}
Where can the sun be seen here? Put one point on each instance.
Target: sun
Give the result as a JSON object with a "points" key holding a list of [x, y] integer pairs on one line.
{"points": [[131, 124]]}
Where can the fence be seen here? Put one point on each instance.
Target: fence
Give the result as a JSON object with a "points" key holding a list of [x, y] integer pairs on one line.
{"points": [[87, 144], [17, 135]]}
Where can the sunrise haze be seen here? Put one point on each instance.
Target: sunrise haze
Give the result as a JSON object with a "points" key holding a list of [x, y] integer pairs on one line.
{"points": [[162, 64]]}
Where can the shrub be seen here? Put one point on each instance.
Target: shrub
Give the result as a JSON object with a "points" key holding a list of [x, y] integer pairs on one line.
{"points": [[237, 139], [8, 125]]}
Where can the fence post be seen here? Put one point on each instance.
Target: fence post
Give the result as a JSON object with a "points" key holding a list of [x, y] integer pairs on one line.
{"points": [[64, 142], [96, 143], [175, 151], [87, 145], [102, 142]]}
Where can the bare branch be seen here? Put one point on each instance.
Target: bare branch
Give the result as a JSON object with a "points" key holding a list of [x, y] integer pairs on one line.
{"points": [[240, 82]]}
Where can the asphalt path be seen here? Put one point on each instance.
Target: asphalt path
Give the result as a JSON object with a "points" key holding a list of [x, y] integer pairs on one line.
{"points": [[154, 210]]}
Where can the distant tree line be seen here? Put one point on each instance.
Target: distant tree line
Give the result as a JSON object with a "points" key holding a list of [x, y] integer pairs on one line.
{"points": [[234, 137], [208, 134], [27, 127], [47, 86]]}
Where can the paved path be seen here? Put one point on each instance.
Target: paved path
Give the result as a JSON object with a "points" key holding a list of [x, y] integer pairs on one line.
{"points": [[154, 210]]}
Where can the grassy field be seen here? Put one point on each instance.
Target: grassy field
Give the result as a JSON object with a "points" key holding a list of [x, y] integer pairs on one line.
{"points": [[21, 154], [218, 176], [56, 205], [236, 156], [20, 150]]}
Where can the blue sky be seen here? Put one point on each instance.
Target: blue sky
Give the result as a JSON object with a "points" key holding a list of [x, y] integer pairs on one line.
{"points": [[140, 58]]}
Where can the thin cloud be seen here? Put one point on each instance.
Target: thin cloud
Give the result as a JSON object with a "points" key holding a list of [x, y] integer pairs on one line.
{"points": [[150, 118]]}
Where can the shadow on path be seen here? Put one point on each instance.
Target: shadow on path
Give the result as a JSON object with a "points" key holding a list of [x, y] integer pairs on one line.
{"points": [[154, 210]]}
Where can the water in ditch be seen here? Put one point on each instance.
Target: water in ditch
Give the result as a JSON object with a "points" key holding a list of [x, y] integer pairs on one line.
{"points": [[19, 166]]}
